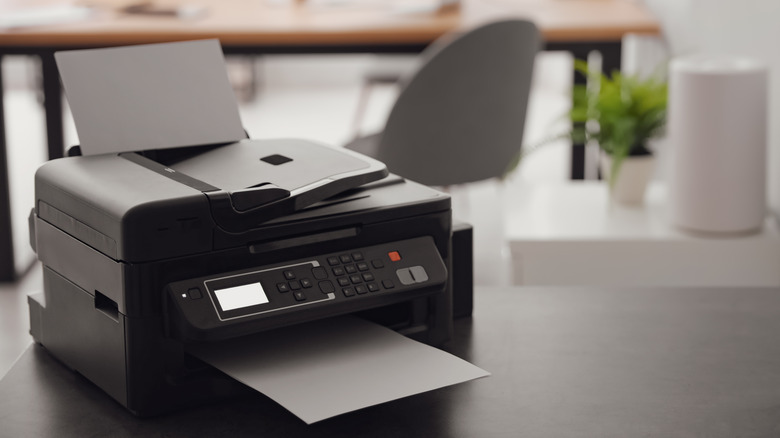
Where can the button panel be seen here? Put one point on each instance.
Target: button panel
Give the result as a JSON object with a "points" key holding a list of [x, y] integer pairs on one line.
{"points": [[338, 279]]}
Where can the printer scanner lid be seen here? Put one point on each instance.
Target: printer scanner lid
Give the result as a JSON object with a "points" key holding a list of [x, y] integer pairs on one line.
{"points": [[253, 181], [170, 108]]}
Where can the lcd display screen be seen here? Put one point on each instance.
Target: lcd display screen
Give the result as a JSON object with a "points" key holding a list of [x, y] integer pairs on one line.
{"points": [[238, 297]]}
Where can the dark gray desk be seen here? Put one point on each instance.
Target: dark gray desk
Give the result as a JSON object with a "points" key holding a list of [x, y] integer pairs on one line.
{"points": [[565, 363]]}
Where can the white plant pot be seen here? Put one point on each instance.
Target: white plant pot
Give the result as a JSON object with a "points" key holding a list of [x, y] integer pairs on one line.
{"points": [[632, 179]]}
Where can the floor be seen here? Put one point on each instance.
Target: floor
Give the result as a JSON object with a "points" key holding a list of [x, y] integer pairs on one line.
{"points": [[311, 97]]}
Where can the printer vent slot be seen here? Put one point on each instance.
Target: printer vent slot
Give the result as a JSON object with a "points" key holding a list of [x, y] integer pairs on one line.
{"points": [[107, 306]]}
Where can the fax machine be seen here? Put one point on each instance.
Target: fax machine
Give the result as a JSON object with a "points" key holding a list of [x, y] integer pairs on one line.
{"points": [[146, 254]]}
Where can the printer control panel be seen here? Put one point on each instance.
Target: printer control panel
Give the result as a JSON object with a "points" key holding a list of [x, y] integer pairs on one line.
{"points": [[315, 287]]}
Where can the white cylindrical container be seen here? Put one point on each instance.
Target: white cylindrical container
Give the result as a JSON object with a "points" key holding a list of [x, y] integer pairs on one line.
{"points": [[717, 127]]}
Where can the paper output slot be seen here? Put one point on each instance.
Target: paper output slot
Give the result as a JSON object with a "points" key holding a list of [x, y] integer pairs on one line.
{"points": [[259, 248]]}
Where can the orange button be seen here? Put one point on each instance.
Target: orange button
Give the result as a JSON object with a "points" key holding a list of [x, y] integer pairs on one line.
{"points": [[394, 256]]}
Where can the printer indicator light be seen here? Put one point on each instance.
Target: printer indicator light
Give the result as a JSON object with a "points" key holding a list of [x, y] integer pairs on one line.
{"points": [[394, 256]]}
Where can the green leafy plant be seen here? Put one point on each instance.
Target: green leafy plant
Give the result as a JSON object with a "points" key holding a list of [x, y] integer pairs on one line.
{"points": [[620, 112]]}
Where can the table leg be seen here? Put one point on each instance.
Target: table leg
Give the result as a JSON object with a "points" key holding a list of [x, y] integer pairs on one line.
{"points": [[578, 149], [611, 57], [52, 96], [610, 60], [7, 269]]}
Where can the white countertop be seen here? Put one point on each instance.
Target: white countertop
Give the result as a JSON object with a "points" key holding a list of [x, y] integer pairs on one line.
{"points": [[571, 234], [582, 210]]}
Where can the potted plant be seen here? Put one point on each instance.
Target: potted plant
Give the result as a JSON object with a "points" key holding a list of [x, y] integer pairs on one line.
{"points": [[622, 113]]}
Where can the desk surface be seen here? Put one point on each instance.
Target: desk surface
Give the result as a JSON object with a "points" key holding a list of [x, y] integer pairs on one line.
{"points": [[565, 363], [352, 22]]}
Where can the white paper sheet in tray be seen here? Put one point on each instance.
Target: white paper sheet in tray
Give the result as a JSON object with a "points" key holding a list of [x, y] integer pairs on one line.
{"points": [[327, 368]]}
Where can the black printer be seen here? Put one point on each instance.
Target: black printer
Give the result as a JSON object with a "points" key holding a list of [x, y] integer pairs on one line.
{"points": [[139, 265], [147, 254]]}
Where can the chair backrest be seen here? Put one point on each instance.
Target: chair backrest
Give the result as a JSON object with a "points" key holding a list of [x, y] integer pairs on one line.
{"points": [[459, 118]]}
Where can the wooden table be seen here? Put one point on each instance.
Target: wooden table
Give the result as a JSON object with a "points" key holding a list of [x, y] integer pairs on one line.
{"points": [[276, 26], [350, 24], [565, 362]]}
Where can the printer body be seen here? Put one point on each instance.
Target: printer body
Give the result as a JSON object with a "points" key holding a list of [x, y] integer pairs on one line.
{"points": [[144, 258]]}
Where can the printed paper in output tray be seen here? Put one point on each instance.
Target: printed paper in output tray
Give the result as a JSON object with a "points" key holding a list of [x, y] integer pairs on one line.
{"points": [[330, 367]]}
